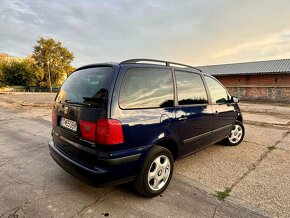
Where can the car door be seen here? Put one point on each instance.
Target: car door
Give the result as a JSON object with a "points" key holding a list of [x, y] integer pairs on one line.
{"points": [[224, 111], [193, 112]]}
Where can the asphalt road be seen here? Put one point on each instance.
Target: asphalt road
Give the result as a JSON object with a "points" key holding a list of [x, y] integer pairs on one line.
{"points": [[33, 185]]}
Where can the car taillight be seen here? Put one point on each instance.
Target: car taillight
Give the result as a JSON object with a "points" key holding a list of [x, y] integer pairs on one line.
{"points": [[104, 131], [109, 132], [54, 118]]}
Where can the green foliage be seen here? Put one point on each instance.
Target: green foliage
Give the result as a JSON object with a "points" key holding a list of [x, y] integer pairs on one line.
{"points": [[51, 57], [272, 147], [1, 75], [16, 72], [70, 70], [48, 56], [222, 195]]}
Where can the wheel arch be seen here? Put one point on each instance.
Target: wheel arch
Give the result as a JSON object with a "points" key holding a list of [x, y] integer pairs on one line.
{"points": [[171, 145], [240, 118]]}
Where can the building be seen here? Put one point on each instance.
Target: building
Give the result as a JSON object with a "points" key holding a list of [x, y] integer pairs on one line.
{"points": [[255, 81]]}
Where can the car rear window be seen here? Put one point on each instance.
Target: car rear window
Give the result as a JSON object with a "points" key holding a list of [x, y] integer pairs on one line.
{"points": [[146, 88], [87, 86]]}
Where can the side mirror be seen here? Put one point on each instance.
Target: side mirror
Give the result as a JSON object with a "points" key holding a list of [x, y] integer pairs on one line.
{"points": [[234, 99]]}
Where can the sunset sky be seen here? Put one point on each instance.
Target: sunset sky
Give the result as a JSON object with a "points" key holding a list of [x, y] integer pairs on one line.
{"points": [[191, 32]]}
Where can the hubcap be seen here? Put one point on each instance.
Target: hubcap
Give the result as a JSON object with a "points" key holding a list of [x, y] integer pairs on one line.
{"points": [[236, 134], [159, 172]]}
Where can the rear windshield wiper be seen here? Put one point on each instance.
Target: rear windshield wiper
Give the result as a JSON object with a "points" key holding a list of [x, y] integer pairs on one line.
{"points": [[94, 98], [90, 98], [78, 103]]}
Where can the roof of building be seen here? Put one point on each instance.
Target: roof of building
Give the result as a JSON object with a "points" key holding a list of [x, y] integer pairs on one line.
{"points": [[258, 67]]}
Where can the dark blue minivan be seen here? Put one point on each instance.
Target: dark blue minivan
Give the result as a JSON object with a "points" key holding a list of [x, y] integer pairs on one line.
{"points": [[129, 121]]}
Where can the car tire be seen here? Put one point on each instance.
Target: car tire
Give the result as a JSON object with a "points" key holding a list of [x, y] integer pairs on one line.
{"points": [[156, 172], [236, 135]]}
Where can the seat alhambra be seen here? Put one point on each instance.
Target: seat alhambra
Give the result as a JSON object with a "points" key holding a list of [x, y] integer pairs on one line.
{"points": [[129, 121]]}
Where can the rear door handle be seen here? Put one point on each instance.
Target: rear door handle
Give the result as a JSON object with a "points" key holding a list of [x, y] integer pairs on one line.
{"points": [[182, 118]]}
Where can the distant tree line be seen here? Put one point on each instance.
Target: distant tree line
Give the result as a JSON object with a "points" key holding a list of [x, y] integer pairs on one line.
{"points": [[48, 66]]}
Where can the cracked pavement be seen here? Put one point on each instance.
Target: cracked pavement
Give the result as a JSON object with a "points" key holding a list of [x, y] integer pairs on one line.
{"points": [[252, 171], [33, 185]]}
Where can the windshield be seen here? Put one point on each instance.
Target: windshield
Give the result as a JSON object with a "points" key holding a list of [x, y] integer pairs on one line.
{"points": [[88, 87]]}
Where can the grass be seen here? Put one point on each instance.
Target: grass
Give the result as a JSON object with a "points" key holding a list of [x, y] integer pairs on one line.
{"points": [[271, 148], [222, 195]]}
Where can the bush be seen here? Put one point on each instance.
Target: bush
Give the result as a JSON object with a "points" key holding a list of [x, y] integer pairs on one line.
{"points": [[17, 72]]}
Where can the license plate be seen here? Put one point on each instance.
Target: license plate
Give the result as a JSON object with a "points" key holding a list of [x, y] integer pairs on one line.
{"points": [[68, 124]]}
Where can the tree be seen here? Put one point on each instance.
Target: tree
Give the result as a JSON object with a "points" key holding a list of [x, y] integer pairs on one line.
{"points": [[52, 62], [1, 73], [17, 72]]}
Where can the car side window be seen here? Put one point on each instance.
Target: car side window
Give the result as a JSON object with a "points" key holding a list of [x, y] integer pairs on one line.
{"points": [[147, 88], [190, 88], [218, 93]]}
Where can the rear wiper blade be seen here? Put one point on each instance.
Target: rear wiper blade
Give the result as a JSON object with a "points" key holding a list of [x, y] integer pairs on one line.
{"points": [[100, 98], [78, 103], [90, 98]]}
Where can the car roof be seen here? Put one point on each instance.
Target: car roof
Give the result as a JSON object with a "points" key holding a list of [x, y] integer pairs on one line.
{"points": [[145, 63]]}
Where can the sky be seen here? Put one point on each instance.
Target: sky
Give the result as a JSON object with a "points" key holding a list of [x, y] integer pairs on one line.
{"points": [[187, 31]]}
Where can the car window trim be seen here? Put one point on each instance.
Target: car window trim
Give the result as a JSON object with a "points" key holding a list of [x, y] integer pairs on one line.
{"points": [[192, 105]]}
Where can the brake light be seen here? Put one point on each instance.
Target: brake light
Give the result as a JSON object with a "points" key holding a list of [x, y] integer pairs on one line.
{"points": [[104, 131], [109, 132], [54, 118], [88, 130]]}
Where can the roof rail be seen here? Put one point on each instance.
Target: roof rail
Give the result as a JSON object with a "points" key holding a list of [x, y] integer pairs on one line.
{"points": [[167, 63]]}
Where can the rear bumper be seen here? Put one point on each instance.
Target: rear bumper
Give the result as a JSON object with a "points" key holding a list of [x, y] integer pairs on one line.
{"points": [[113, 171]]}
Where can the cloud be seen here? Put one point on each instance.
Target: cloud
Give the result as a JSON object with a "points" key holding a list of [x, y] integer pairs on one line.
{"points": [[191, 32], [272, 46]]}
